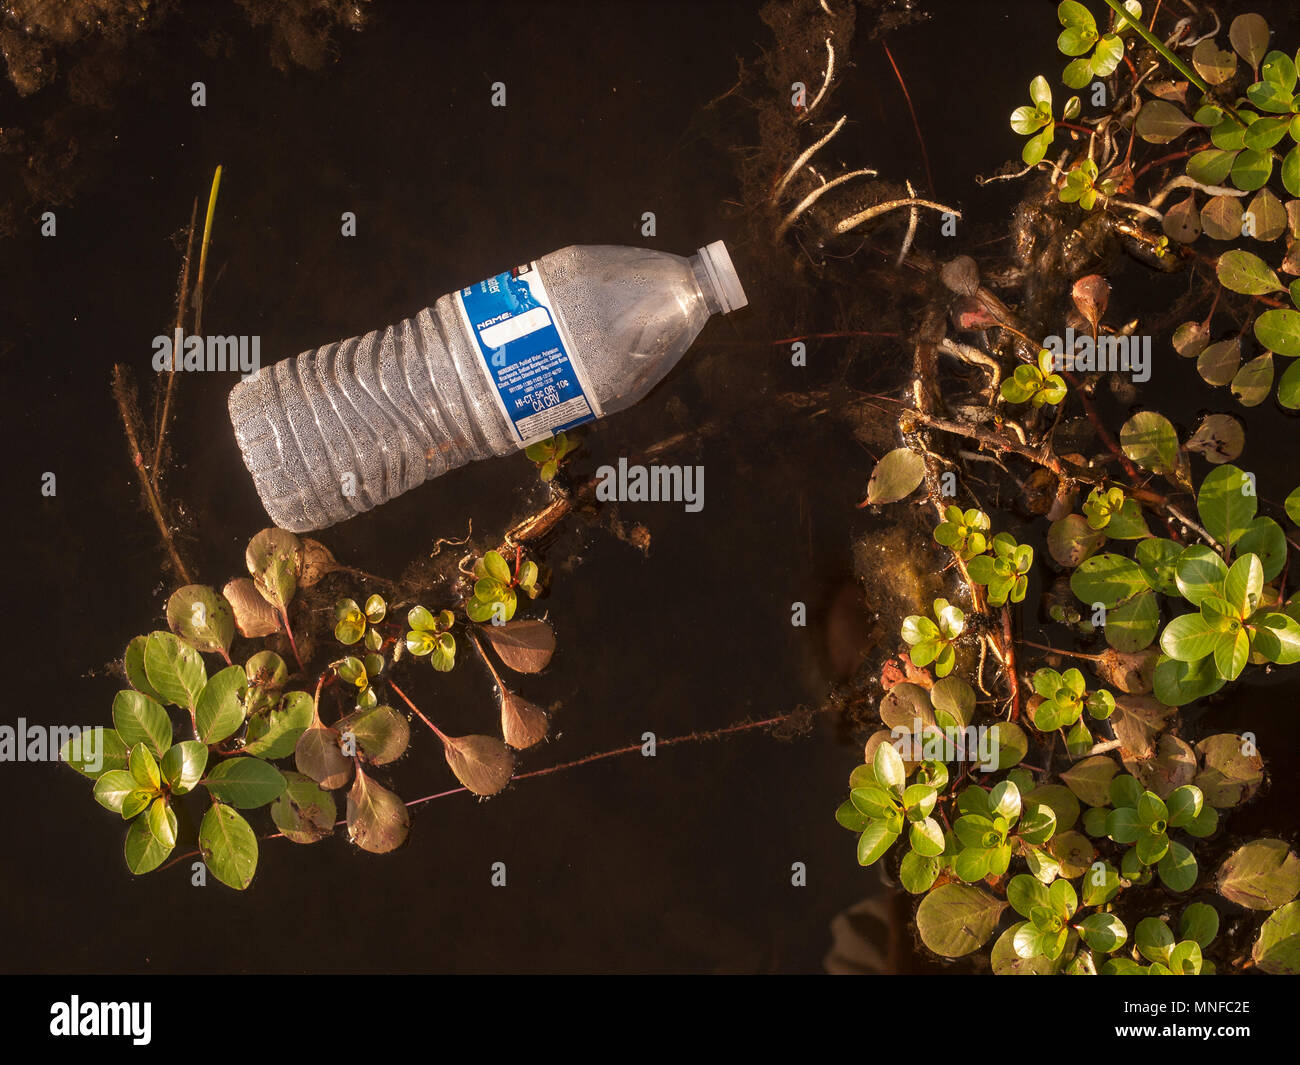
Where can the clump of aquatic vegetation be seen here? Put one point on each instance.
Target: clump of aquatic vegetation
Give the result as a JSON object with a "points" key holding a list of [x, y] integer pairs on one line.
{"points": [[218, 723], [1082, 829]]}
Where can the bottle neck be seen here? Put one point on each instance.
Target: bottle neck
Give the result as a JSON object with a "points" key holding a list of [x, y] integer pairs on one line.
{"points": [[704, 282]]}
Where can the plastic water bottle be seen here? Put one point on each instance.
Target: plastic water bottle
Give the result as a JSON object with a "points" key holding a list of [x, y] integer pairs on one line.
{"points": [[575, 335]]}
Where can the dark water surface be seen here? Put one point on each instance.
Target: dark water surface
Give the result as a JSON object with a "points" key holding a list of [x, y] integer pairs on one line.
{"points": [[680, 863]]}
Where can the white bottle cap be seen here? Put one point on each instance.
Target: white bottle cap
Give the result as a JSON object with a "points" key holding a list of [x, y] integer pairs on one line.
{"points": [[726, 283]]}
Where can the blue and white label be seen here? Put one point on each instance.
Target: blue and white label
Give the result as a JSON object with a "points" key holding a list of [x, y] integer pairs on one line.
{"points": [[536, 377]]}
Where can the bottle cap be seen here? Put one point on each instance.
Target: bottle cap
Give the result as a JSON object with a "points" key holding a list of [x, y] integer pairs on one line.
{"points": [[726, 283]]}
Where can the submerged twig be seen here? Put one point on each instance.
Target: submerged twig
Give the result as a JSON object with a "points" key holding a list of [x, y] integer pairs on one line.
{"points": [[816, 195], [853, 221], [807, 154], [182, 300], [826, 83], [124, 394], [912, 220]]}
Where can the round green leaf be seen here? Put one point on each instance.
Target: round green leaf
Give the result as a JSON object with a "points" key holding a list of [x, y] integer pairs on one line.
{"points": [[220, 708], [955, 919], [113, 787], [1070, 540], [1277, 950], [381, 734], [183, 765], [1249, 35], [1279, 331], [890, 770], [1133, 624], [1199, 574], [917, 872], [1261, 875], [1288, 388], [145, 850], [133, 660], [244, 782], [926, 837], [1025, 893], [1243, 271], [1178, 870], [875, 840], [1107, 579], [1103, 932], [897, 474], [1153, 939], [201, 617], [1251, 384], [1252, 168], [1199, 923], [138, 719], [1218, 363], [175, 669], [1008, 742], [274, 734], [306, 812], [1006, 962], [1226, 503], [229, 846], [953, 700], [1211, 167], [94, 752], [1293, 504]]}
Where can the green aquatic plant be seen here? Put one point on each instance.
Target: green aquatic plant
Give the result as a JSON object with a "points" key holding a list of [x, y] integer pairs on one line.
{"points": [[352, 624], [1037, 384], [549, 455], [931, 641], [244, 719], [432, 636], [495, 597]]}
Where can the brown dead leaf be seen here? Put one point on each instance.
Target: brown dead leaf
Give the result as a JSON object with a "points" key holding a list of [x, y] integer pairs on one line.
{"points": [[524, 646], [1137, 720], [484, 764], [317, 562], [522, 723], [254, 616]]}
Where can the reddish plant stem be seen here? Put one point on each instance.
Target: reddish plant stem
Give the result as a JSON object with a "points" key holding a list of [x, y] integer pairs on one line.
{"points": [[1167, 159], [916, 126], [1009, 663], [693, 737], [288, 629], [1062, 652], [402, 695], [829, 336]]}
